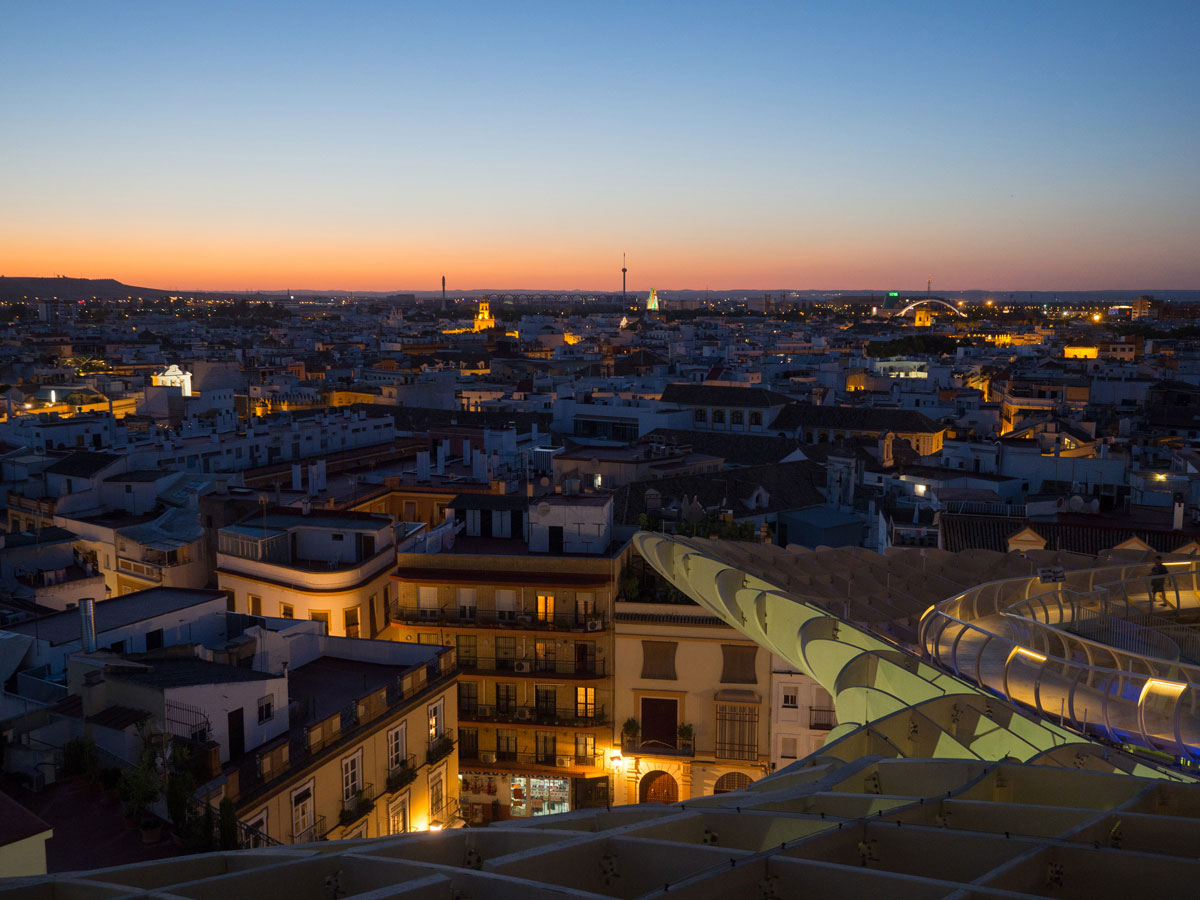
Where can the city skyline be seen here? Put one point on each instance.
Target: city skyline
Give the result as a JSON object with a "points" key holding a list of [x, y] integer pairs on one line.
{"points": [[374, 148]]}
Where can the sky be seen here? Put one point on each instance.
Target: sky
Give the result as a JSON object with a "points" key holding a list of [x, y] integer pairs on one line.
{"points": [[381, 145]]}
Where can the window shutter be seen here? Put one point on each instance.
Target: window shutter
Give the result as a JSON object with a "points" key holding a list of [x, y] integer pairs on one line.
{"points": [[658, 659], [738, 665]]}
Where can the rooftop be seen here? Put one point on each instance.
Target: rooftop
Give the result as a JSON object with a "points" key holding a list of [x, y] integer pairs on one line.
{"points": [[117, 612]]}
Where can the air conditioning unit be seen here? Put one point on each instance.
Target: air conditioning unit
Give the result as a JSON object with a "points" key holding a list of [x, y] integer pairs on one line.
{"points": [[523, 665], [484, 712], [487, 756], [524, 714], [595, 624], [524, 620], [562, 761]]}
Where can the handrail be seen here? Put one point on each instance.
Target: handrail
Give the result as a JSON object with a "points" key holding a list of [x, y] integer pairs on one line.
{"points": [[1148, 694]]}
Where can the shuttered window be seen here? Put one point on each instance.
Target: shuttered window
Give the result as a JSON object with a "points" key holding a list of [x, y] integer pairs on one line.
{"points": [[658, 659], [737, 731], [738, 667]]}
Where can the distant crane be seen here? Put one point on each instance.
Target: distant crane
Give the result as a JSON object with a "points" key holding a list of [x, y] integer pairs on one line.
{"points": [[623, 271], [928, 285]]}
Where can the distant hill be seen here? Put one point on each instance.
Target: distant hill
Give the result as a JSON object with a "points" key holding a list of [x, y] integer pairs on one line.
{"points": [[13, 289]]}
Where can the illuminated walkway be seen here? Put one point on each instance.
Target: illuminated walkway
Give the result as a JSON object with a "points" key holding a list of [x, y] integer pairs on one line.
{"points": [[1097, 651]]}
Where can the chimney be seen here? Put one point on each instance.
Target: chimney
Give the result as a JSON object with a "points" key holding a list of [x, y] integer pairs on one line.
{"points": [[87, 630], [441, 459], [297, 477], [321, 474], [313, 479], [479, 468], [422, 465], [1177, 518], [466, 457]]}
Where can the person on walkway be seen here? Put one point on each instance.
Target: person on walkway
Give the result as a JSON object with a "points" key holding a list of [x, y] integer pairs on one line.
{"points": [[1158, 581]]}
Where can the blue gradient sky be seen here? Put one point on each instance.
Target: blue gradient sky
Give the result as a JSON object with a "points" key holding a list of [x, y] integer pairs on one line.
{"points": [[379, 145]]}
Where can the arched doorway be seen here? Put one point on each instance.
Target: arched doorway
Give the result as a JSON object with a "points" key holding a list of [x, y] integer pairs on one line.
{"points": [[731, 781], [658, 787]]}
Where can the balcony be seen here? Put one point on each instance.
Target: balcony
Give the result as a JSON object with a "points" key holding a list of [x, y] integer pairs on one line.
{"points": [[445, 815], [357, 805], [470, 617], [822, 718], [569, 717], [314, 832], [657, 748], [555, 760], [528, 665], [440, 747], [399, 777]]}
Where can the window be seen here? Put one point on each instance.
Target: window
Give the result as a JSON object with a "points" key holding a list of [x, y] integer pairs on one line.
{"points": [[545, 607], [255, 604], [738, 667], [154, 639], [337, 537], [437, 720], [398, 815], [788, 748], [756, 418], [585, 749], [731, 781], [506, 743], [544, 653], [700, 416], [427, 601], [468, 743], [737, 731], [437, 795], [287, 611], [546, 698], [737, 417], [547, 747], [350, 620], [506, 698], [303, 816], [506, 605], [266, 708], [466, 603], [585, 606], [468, 698], [718, 417], [466, 646], [790, 696], [506, 652], [351, 776], [658, 659], [322, 617], [585, 702], [397, 744]]}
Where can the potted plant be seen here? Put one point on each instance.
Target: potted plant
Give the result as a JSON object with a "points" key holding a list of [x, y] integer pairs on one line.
{"points": [[685, 733], [630, 730], [139, 787]]}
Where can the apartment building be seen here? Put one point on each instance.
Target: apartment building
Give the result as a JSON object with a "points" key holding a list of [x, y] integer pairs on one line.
{"points": [[320, 738], [525, 596], [329, 566], [693, 704]]}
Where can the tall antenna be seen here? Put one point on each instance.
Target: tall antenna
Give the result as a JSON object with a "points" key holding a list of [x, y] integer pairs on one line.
{"points": [[623, 271], [928, 285]]}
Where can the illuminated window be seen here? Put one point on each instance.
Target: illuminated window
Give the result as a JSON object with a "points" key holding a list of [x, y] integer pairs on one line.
{"points": [[585, 702], [545, 607]]}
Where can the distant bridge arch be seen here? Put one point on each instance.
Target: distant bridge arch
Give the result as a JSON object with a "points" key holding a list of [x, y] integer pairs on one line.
{"points": [[950, 306]]}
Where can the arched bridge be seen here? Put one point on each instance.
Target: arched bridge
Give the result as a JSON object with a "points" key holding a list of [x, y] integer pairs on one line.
{"points": [[950, 306]]}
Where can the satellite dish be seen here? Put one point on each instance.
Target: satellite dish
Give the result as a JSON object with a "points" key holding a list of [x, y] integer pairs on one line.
{"points": [[1076, 503], [543, 509]]}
